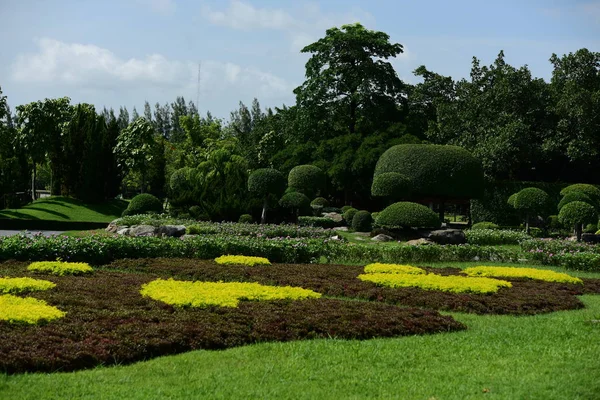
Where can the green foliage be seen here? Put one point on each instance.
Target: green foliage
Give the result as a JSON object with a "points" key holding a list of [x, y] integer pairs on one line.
{"points": [[532, 200], [554, 223], [590, 228], [245, 219], [296, 202], [142, 204], [484, 225], [266, 181], [348, 215], [571, 196], [362, 221], [563, 253], [391, 185], [319, 202], [591, 191], [346, 208], [445, 172], [320, 222], [374, 215], [407, 215], [494, 237], [306, 179], [511, 200], [577, 213]]}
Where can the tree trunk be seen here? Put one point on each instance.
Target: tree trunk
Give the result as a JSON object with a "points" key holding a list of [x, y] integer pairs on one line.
{"points": [[353, 107], [578, 231], [33, 178], [442, 211], [527, 224], [263, 217]]}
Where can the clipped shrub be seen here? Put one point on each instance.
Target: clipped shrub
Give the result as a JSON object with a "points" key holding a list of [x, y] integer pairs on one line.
{"points": [[575, 196], [307, 179], [362, 221], [27, 310], [391, 185], [23, 285], [554, 223], [349, 215], [242, 260], [590, 190], [195, 211], [374, 215], [245, 219], [532, 202], [590, 228], [494, 237], [319, 202], [346, 208], [297, 202], [531, 273], [60, 268], [511, 200], [485, 225], [142, 204], [407, 215], [576, 214], [332, 210], [264, 182], [320, 222]]}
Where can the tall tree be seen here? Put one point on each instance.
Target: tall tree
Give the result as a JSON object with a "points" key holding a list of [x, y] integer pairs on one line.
{"points": [[123, 118], [162, 120], [178, 109], [147, 111], [134, 115], [135, 148]]}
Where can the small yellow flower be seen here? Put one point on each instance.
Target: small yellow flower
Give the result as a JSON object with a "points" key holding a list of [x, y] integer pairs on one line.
{"points": [[28, 310], [392, 269], [242, 260], [22, 285], [60, 267], [514, 272]]}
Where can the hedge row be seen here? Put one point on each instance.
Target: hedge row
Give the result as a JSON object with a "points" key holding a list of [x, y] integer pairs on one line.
{"points": [[562, 253]]}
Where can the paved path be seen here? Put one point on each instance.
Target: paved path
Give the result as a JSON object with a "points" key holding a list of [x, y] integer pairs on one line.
{"points": [[29, 233]]}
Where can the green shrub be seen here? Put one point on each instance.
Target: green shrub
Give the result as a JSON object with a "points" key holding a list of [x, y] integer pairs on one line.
{"points": [[434, 170], [407, 215], [554, 223], [391, 185], [295, 201], [590, 228], [590, 190], [494, 237], [142, 204], [349, 215], [532, 200], [265, 181], [320, 222], [484, 225], [362, 221], [374, 215], [346, 208], [245, 219], [575, 196], [332, 210], [511, 200], [319, 202], [306, 179], [576, 214]]}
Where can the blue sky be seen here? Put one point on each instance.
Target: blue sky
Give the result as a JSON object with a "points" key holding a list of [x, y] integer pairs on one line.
{"points": [[123, 52]]}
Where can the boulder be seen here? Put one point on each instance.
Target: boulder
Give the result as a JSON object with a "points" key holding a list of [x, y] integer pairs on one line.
{"points": [[171, 230], [382, 238], [142, 230], [590, 238], [123, 231], [112, 227], [341, 228], [419, 242], [447, 236], [336, 217]]}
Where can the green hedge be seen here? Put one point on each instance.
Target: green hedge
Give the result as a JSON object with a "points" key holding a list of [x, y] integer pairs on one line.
{"points": [[362, 221], [485, 225], [407, 215], [320, 222], [493, 237]]}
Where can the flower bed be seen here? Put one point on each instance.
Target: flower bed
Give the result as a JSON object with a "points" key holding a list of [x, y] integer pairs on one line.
{"points": [[242, 260], [532, 273], [23, 285], [60, 267], [567, 254], [27, 310], [224, 294], [392, 269], [493, 237]]}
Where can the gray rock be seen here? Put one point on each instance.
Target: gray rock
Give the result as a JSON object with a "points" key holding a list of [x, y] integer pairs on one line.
{"points": [[419, 242], [590, 238], [171, 230], [123, 231], [142, 230], [112, 228], [448, 236], [334, 216], [382, 238], [341, 228]]}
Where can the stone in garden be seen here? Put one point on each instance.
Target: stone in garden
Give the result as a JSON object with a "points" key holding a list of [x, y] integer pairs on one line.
{"points": [[419, 242], [448, 236], [171, 230], [184, 237], [334, 216], [124, 231], [142, 230], [382, 238], [112, 228], [590, 238], [341, 228]]}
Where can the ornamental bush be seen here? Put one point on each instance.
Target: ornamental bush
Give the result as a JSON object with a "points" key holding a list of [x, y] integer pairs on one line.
{"points": [[391, 185], [495, 237], [245, 219], [60, 267], [531, 200], [320, 222], [362, 221], [265, 181], [349, 215], [307, 179], [577, 213], [485, 225], [575, 196], [319, 202], [346, 208], [142, 204], [407, 215], [297, 202], [590, 190]]}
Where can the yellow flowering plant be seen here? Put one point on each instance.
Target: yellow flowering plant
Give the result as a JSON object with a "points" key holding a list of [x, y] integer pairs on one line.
{"points": [[392, 269], [60, 267], [15, 309], [224, 294], [242, 260], [23, 285], [515, 272]]}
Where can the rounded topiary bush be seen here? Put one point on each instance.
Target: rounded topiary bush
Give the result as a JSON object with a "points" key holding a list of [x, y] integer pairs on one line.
{"points": [[407, 215], [265, 181], [295, 201], [349, 215], [319, 202], [531, 199], [362, 221], [374, 215], [346, 208], [575, 196], [245, 219], [485, 225], [434, 170], [590, 190], [392, 185], [576, 214], [142, 204], [306, 179], [511, 200]]}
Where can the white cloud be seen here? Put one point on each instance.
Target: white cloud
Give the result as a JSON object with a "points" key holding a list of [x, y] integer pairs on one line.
{"points": [[244, 16], [164, 7]]}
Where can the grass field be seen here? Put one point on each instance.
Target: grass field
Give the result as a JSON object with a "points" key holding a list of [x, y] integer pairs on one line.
{"points": [[67, 209]]}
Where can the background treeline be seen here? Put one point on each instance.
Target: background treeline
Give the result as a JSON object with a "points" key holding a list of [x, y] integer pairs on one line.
{"points": [[350, 109]]}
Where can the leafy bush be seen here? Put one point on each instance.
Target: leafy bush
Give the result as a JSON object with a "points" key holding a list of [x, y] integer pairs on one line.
{"points": [[245, 219], [349, 215], [577, 213], [332, 210], [575, 196], [362, 221], [321, 222], [295, 201], [494, 237], [319, 202], [153, 219], [532, 200], [374, 215], [346, 208], [265, 181], [306, 179], [407, 215], [590, 190], [434, 170], [564, 253], [511, 200], [60, 268], [242, 260], [391, 185], [142, 204], [259, 231], [554, 223], [23, 285], [590, 228], [485, 225]]}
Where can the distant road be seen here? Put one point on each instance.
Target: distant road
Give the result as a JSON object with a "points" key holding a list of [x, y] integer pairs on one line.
{"points": [[29, 233]]}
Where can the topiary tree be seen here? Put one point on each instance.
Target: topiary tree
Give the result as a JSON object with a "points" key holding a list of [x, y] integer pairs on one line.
{"points": [[348, 215], [142, 204], [346, 208], [391, 185], [442, 173], [296, 202], [407, 215], [590, 190], [362, 221], [318, 204], [532, 202], [245, 219], [576, 214], [306, 179], [511, 200], [575, 196], [265, 182]]}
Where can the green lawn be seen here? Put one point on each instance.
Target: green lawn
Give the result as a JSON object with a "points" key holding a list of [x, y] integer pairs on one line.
{"points": [[67, 209]]}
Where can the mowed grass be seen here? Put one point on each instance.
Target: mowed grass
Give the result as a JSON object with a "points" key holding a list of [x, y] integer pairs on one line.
{"points": [[551, 356], [67, 209]]}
